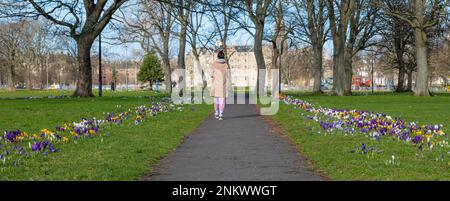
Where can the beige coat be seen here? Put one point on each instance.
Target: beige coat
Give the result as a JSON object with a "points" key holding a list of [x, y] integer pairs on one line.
{"points": [[219, 79]]}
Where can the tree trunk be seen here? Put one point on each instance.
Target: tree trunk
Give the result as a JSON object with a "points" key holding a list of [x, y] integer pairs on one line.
{"points": [[400, 62], [166, 61], [410, 79], [198, 81], [339, 28], [181, 54], [84, 81], [401, 76], [422, 63], [348, 71], [168, 74], [275, 56], [339, 82], [259, 56], [317, 63], [11, 78], [29, 79], [421, 41]]}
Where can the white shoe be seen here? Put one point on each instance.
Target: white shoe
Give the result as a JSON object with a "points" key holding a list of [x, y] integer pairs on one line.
{"points": [[216, 116], [220, 118]]}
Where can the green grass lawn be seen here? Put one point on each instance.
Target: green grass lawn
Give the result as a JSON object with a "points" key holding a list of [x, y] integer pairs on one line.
{"points": [[18, 94], [331, 154], [127, 154], [33, 93]]}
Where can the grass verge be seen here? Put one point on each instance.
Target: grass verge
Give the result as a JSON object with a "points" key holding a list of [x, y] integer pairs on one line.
{"points": [[127, 154], [332, 154]]}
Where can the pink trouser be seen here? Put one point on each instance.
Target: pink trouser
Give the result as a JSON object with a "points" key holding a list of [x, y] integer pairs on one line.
{"points": [[219, 105]]}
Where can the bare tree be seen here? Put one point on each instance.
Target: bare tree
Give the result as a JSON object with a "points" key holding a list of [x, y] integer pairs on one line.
{"points": [[221, 15], [278, 40], [69, 47], [151, 26], [298, 67], [11, 39], [183, 10], [36, 50], [258, 12], [339, 23], [396, 37], [83, 21], [440, 61], [362, 29], [310, 19], [422, 16], [196, 19]]}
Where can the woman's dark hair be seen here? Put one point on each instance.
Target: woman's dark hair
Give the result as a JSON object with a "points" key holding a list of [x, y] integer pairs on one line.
{"points": [[221, 55]]}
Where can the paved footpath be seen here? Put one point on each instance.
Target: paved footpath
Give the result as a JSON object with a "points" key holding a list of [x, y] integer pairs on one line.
{"points": [[242, 147]]}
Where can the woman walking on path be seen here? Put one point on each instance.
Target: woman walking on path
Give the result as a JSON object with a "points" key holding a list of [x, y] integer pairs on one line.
{"points": [[219, 84]]}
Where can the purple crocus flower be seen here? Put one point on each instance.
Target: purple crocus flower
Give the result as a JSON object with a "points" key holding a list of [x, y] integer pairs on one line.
{"points": [[11, 135], [36, 146], [45, 144], [20, 150], [95, 128], [363, 148], [417, 139], [52, 149]]}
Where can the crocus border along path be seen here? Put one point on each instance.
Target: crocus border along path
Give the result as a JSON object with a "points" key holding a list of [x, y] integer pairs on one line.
{"points": [[17, 145], [375, 126], [356, 144]]}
